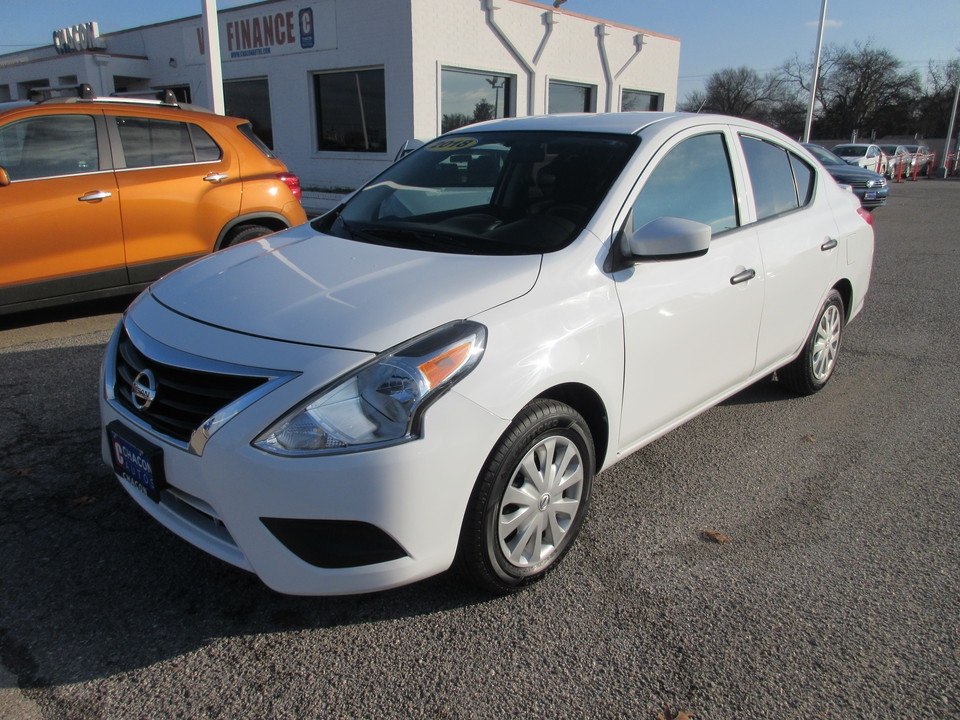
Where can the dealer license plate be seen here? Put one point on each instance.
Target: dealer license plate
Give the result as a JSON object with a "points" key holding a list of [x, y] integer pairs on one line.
{"points": [[136, 460]]}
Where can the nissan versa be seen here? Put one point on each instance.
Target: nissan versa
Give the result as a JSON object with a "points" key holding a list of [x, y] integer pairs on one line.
{"points": [[433, 373]]}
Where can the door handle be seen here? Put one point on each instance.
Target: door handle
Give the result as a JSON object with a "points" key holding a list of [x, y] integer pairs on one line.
{"points": [[215, 177], [830, 244], [94, 195], [742, 277]]}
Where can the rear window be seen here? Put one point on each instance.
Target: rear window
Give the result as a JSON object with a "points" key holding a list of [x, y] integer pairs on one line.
{"points": [[247, 131]]}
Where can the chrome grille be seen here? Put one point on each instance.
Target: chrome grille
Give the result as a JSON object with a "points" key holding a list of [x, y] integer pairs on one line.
{"points": [[185, 398]]}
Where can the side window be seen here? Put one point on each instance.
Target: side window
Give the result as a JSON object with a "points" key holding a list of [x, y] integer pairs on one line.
{"points": [[204, 146], [149, 142], [694, 182], [772, 173], [804, 175], [48, 146]]}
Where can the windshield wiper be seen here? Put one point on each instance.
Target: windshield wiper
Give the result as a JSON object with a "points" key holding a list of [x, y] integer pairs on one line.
{"points": [[409, 237]]}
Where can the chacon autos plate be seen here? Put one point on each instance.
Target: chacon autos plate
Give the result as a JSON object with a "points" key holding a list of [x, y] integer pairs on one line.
{"points": [[136, 460]]}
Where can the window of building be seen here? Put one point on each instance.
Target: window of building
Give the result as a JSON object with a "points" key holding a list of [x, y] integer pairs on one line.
{"points": [[250, 99], [694, 182], [148, 142], [48, 146], [637, 100], [570, 98], [781, 181], [468, 96], [5, 93], [24, 88], [351, 111]]}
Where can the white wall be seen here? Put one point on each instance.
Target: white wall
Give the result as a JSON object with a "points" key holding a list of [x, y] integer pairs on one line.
{"points": [[410, 39]]}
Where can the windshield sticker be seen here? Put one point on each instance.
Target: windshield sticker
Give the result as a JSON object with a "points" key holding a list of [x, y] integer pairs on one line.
{"points": [[447, 144]]}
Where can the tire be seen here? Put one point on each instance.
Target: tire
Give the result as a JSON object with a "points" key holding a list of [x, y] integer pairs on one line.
{"points": [[523, 518], [811, 370], [244, 233]]}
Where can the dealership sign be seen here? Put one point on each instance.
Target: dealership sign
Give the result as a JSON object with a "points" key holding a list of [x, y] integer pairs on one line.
{"points": [[277, 32], [77, 38]]}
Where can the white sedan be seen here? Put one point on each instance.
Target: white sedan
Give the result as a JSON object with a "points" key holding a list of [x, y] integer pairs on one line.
{"points": [[433, 373]]}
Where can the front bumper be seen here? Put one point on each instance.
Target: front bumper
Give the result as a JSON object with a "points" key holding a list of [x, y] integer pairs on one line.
{"points": [[297, 522]]}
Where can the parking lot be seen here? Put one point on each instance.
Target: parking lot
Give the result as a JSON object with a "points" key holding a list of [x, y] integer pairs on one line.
{"points": [[837, 593]]}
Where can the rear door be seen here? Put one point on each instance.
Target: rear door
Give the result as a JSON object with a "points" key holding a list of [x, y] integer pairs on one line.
{"points": [[178, 188], [799, 242], [60, 231]]}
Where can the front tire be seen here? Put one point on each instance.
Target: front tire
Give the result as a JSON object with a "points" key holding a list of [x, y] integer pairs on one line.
{"points": [[244, 233], [811, 370], [530, 500]]}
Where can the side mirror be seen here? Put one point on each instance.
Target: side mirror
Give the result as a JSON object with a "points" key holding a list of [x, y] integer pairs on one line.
{"points": [[668, 238], [4, 178]]}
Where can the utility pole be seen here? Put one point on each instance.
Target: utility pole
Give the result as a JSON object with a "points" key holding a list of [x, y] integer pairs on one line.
{"points": [[816, 73], [942, 170], [214, 67]]}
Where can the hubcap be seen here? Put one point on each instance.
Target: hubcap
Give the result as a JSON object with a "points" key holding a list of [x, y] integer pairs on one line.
{"points": [[826, 343], [540, 501]]}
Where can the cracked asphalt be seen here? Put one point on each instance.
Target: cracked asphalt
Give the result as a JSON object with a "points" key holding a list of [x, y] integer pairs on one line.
{"points": [[837, 595]]}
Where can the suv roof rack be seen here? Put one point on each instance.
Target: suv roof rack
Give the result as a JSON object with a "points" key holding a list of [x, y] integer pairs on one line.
{"points": [[165, 96], [59, 93]]}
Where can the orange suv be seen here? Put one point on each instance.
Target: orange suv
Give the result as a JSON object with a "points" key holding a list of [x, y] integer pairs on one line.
{"points": [[101, 196]]}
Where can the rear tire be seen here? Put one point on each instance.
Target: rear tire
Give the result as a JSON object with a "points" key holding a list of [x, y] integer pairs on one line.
{"points": [[244, 233], [811, 370], [530, 500]]}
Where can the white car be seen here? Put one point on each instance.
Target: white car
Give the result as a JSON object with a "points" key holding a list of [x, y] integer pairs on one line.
{"points": [[434, 372], [865, 155]]}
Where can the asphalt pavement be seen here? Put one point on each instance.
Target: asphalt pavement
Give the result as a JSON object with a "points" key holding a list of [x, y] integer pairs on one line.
{"points": [[834, 592]]}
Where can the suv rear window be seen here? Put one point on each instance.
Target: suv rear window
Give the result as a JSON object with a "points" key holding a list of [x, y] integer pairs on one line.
{"points": [[247, 131]]}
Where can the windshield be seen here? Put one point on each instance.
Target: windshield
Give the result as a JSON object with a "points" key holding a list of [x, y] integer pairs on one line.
{"points": [[490, 193], [824, 156], [850, 150], [889, 149]]}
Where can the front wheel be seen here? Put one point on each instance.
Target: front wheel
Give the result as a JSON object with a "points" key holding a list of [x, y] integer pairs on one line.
{"points": [[244, 233], [811, 370], [530, 500]]}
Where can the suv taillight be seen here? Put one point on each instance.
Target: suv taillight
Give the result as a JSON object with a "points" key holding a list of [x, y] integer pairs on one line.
{"points": [[292, 182], [866, 215]]}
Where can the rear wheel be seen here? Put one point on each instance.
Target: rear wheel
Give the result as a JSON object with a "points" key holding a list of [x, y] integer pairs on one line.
{"points": [[811, 370], [530, 500], [244, 233]]}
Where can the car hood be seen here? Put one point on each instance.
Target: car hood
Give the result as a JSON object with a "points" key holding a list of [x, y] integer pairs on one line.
{"points": [[851, 172], [305, 287]]}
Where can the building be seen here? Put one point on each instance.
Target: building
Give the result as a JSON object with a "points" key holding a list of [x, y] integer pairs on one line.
{"points": [[336, 87]]}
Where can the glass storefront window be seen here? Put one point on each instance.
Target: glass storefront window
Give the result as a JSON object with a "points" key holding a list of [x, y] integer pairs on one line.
{"points": [[250, 99], [351, 111], [467, 97], [570, 98], [637, 100]]}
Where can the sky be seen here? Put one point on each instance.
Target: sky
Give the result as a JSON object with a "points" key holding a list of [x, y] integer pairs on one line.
{"points": [[714, 34]]}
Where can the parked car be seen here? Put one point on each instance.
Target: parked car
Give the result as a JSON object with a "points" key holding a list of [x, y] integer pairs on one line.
{"points": [[865, 155], [922, 161], [434, 372], [870, 187], [898, 160], [102, 196]]}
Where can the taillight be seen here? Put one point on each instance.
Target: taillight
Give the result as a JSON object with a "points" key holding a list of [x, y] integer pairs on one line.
{"points": [[292, 182], [866, 215]]}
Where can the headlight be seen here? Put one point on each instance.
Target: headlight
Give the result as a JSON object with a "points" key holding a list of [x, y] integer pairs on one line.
{"points": [[380, 403]]}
